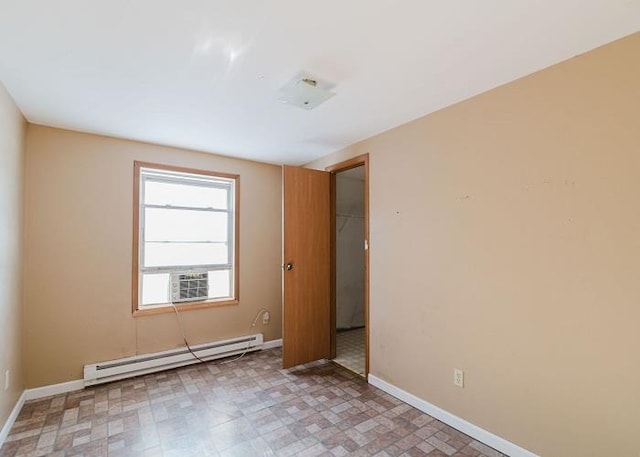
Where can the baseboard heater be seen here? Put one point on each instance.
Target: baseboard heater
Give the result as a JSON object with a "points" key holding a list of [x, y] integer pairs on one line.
{"points": [[129, 367]]}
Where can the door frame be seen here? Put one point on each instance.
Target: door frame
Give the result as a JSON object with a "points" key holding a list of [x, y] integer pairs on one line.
{"points": [[361, 160]]}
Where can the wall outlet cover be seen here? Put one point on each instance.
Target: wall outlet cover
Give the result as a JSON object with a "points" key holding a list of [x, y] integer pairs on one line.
{"points": [[458, 377]]}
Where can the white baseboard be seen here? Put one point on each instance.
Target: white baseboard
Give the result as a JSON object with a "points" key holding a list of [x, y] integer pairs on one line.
{"points": [[272, 344], [70, 386], [480, 434], [4, 432], [34, 394], [53, 389]]}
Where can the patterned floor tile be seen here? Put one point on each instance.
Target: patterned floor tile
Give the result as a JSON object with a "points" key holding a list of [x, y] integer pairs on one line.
{"points": [[250, 407], [350, 349]]}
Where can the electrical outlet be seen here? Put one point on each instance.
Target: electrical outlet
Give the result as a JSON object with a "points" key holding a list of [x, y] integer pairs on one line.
{"points": [[458, 377], [265, 317], [7, 377]]}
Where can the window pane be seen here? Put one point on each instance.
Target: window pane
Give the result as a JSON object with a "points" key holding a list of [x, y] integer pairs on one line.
{"points": [[184, 225], [174, 194], [155, 289], [220, 284], [189, 228], [170, 254]]}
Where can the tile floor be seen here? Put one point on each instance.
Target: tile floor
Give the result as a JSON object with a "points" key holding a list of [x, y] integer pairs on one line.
{"points": [[250, 407], [350, 351]]}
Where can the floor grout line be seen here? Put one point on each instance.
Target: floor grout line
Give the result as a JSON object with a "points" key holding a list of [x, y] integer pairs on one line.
{"points": [[249, 407]]}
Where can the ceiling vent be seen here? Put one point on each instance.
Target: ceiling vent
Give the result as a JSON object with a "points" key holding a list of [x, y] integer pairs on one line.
{"points": [[305, 92]]}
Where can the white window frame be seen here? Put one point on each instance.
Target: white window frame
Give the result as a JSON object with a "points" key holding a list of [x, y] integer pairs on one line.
{"points": [[149, 172]]}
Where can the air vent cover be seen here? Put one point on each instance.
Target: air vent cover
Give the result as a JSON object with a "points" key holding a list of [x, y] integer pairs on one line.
{"points": [[192, 286]]}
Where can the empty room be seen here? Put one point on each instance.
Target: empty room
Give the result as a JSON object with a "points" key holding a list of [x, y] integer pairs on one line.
{"points": [[368, 228]]}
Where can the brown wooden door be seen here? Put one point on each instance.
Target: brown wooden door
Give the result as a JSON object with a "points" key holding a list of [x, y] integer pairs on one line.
{"points": [[307, 267]]}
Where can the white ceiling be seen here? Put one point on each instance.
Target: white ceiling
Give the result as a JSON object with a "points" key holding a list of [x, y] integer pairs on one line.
{"points": [[205, 74]]}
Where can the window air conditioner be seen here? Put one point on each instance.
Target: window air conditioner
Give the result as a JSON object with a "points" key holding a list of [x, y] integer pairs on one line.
{"points": [[189, 286]]}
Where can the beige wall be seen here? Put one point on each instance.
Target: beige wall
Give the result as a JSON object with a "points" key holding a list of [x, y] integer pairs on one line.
{"points": [[505, 241], [12, 131], [79, 191]]}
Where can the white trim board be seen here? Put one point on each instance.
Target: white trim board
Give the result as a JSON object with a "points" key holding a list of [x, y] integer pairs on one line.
{"points": [[70, 386], [53, 389], [65, 387], [272, 344], [35, 394], [4, 432], [477, 433]]}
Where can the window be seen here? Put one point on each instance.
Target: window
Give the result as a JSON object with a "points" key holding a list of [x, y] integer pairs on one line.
{"points": [[185, 238]]}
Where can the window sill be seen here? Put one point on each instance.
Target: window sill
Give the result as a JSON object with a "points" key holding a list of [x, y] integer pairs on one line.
{"points": [[184, 307]]}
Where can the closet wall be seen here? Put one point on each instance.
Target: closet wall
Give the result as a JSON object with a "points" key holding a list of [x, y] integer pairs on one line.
{"points": [[350, 272]]}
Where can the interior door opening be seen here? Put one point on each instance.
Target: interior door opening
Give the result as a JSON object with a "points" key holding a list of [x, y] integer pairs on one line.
{"points": [[326, 265], [350, 275]]}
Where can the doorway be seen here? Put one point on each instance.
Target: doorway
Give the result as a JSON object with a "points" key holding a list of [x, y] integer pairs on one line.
{"points": [[350, 279], [311, 226]]}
